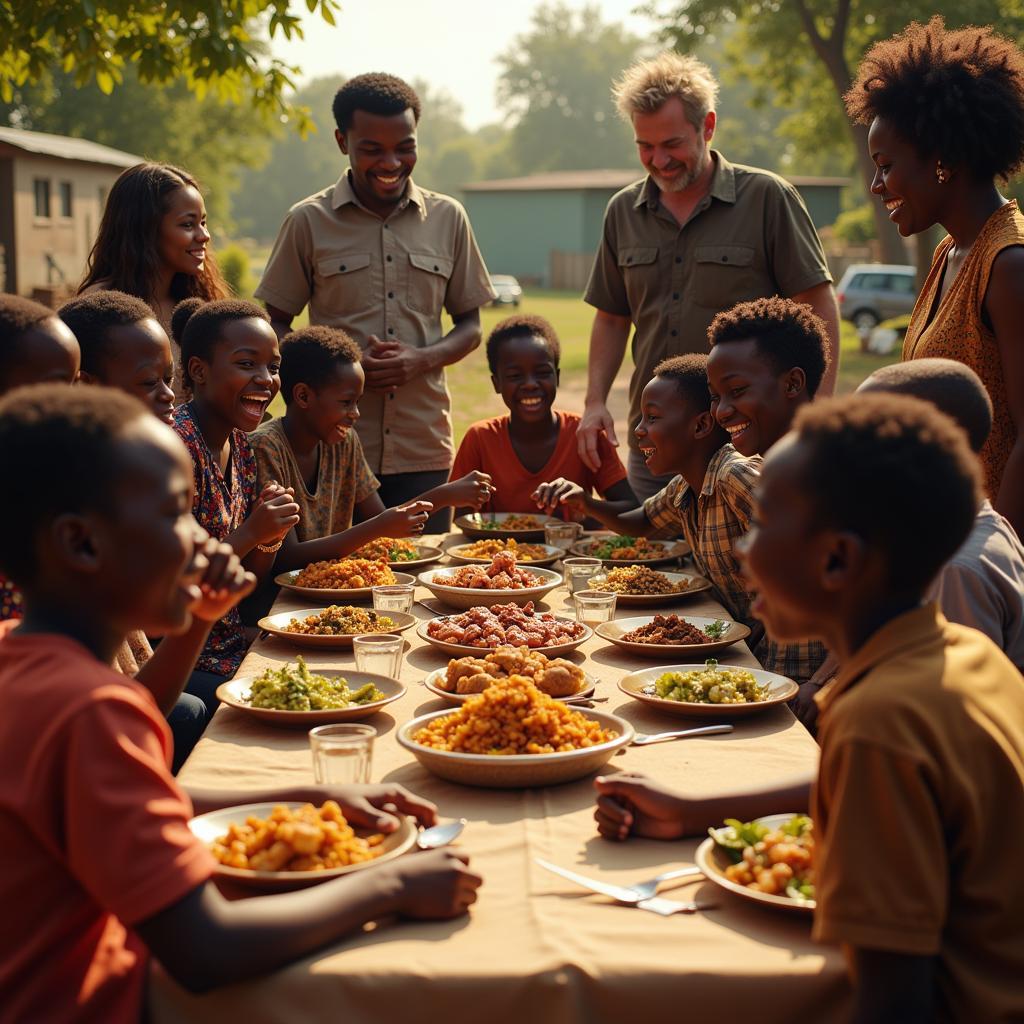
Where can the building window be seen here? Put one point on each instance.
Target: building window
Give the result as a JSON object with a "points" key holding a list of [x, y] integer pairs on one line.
{"points": [[65, 198], [42, 191]]}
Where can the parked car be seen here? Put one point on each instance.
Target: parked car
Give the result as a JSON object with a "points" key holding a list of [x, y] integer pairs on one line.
{"points": [[507, 287], [872, 292]]}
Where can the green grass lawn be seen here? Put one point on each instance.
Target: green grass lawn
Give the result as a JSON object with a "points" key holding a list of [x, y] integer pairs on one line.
{"points": [[469, 381]]}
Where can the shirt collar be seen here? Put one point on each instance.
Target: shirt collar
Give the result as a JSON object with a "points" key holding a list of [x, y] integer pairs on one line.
{"points": [[344, 193], [917, 628], [723, 185]]}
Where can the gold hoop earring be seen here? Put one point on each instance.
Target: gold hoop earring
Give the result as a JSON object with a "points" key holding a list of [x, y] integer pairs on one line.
{"points": [[941, 174]]}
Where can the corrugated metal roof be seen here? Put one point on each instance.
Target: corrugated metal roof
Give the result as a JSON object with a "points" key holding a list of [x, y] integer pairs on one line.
{"points": [[66, 148], [606, 179]]}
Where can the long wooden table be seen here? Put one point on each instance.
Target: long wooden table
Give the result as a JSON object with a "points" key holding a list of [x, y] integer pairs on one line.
{"points": [[535, 948]]}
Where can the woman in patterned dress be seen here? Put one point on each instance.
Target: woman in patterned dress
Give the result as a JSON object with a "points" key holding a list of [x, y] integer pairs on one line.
{"points": [[946, 114]]}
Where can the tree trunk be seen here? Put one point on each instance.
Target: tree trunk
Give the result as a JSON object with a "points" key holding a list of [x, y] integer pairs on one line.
{"points": [[831, 52]]}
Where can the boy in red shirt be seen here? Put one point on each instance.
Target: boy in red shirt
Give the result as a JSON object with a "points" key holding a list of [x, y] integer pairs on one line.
{"points": [[100, 866], [534, 443]]}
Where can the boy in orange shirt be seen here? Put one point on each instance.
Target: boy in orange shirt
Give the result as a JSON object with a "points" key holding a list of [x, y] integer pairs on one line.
{"points": [[100, 868], [535, 443], [918, 807]]}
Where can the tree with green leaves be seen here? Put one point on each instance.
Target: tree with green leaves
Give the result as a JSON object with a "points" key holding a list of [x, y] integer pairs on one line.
{"points": [[216, 47], [555, 87], [805, 53]]}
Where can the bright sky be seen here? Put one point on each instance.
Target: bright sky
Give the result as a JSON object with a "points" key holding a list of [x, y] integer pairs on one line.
{"points": [[452, 44]]}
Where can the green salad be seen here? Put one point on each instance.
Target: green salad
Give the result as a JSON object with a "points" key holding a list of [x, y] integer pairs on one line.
{"points": [[607, 548], [774, 859], [711, 685], [295, 688]]}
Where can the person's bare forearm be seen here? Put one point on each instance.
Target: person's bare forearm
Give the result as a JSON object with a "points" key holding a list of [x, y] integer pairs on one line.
{"points": [[230, 940], [621, 516], [1010, 499], [464, 336], [709, 812], [608, 337], [297, 554], [167, 672], [822, 300]]}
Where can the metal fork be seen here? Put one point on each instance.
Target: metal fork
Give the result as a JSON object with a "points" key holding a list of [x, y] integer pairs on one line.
{"points": [[645, 890]]}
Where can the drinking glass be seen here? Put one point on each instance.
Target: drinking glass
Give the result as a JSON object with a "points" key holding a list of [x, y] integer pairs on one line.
{"points": [[380, 653], [342, 754], [578, 571], [594, 606], [561, 535], [394, 597]]}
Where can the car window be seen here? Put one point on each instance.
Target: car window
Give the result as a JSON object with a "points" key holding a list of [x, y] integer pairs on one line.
{"points": [[875, 282], [904, 284], [856, 281]]}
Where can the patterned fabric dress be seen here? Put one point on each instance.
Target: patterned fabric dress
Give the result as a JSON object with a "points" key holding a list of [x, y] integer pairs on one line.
{"points": [[220, 507], [957, 329]]}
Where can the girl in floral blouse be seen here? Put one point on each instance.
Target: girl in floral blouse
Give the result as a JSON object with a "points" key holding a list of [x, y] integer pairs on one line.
{"points": [[230, 360]]}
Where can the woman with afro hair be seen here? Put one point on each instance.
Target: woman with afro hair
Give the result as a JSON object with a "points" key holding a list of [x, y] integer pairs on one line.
{"points": [[945, 109]]}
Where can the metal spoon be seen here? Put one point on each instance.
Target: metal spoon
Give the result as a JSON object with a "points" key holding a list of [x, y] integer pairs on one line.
{"points": [[440, 835], [641, 739]]}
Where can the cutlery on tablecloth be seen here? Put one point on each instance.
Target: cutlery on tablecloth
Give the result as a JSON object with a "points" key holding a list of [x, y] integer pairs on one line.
{"points": [[642, 739], [440, 835], [644, 899]]}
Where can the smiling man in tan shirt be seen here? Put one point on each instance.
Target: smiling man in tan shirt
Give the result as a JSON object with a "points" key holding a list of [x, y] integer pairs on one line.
{"points": [[380, 258]]}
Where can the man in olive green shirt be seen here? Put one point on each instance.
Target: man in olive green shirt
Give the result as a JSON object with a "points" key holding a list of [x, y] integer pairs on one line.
{"points": [[379, 257], [694, 237]]}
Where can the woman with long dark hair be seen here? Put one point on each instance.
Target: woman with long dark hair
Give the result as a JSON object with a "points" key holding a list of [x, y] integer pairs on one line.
{"points": [[153, 243], [946, 114]]}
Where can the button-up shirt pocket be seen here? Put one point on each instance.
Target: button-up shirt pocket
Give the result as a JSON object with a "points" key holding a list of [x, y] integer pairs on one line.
{"points": [[724, 275], [638, 265], [428, 281], [343, 282]]}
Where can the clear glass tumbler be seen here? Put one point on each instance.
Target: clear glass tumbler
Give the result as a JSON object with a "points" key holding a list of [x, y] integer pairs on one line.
{"points": [[561, 535], [393, 597], [342, 754], [578, 572], [380, 653], [594, 606]]}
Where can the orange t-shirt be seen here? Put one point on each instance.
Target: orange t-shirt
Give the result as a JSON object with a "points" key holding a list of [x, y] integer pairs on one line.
{"points": [[487, 446], [93, 830]]}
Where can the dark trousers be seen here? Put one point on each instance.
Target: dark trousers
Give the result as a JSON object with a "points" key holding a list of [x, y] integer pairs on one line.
{"points": [[187, 721], [398, 488]]}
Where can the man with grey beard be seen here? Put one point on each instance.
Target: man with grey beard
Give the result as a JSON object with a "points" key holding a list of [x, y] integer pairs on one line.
{"points": [[695, 236]]}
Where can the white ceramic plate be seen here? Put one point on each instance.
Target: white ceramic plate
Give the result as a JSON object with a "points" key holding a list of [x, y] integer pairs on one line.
{"points": [[210, 827], [275, 626], [713, 861], [469, 597], [235, 693], [616, 629], [457, 555], [434, 679], [478, 525], [697, 584], [460, 650], [640, 686], [336, 595], [515, 771]]}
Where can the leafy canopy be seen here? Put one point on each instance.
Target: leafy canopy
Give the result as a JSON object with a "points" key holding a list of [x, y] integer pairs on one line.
{"points": [[216, 47]]}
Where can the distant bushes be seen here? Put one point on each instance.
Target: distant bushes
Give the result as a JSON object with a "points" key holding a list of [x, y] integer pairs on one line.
{"points": [[234, 265]]}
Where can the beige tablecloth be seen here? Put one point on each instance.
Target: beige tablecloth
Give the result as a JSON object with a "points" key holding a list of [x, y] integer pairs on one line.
{"points": [[536, 949]]}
